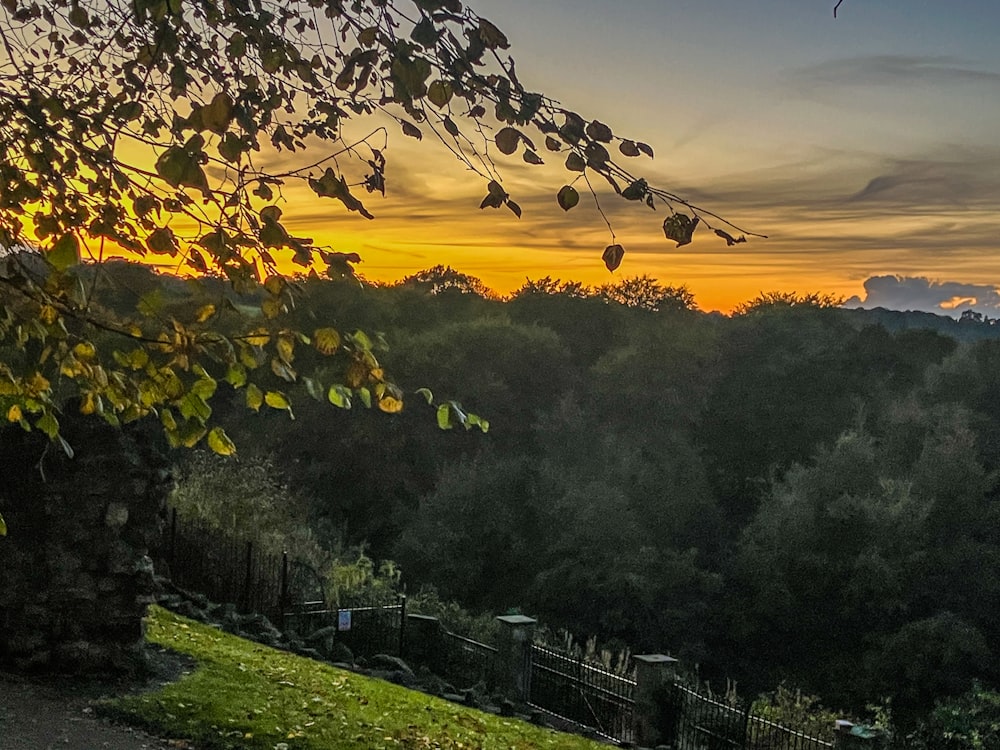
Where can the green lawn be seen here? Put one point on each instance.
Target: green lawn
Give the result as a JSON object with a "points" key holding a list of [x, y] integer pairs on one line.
{"points": [[246, 696]]}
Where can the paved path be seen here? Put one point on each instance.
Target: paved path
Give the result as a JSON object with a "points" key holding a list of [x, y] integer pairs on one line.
{"points": [[56, 714]]}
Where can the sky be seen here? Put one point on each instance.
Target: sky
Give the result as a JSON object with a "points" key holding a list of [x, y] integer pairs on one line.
{"points": [[866, 147]]}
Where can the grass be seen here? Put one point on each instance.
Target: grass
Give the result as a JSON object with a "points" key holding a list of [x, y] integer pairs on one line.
{"points": [[245, 696]]}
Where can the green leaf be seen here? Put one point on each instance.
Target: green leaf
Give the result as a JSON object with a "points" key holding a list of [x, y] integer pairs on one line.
{"points": [[426, 393], [444, 417], [612, 256], [680, 228], [366, 396], [339, 396], [194, 407], [255, 397], [48, 424], [3, 527], [65, 252], [567, 197], [219, 442]]}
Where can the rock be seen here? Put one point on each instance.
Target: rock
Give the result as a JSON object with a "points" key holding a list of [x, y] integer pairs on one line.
{"points": [[386, 661]]}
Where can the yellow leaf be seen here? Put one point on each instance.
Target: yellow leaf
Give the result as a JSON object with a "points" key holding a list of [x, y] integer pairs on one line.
{"points": [[205, 313], [277, 400], [3, 527], [258, 337], [286, 347], [89, 404], [326, 340], [219, 442], [48, 315], [390, 405], [85, 351], [14, 414], [270, 307], [37, 384]]}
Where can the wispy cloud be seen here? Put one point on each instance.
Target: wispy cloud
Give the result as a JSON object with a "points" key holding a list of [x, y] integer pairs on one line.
{"points": [[892, 71]]}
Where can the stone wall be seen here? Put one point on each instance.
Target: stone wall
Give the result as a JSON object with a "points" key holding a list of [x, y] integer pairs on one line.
{"points": [[75, 575]]}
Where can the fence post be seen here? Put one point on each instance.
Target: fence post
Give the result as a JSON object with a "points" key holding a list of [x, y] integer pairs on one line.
{"points": [[248, 587], [402, 625], [173, 539], [653, 674], [514, 657], [424, 642], [283, 595]]}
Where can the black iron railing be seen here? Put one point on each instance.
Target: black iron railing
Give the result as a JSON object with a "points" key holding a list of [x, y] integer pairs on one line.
{"points": [[583, 693]]}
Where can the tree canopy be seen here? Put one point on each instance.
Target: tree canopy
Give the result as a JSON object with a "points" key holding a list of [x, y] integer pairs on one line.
{"points": [[165, 129]]}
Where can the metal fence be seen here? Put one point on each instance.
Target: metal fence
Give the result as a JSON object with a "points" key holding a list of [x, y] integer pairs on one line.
{"points": [[708, 724], [582, 693], [466, 661], [225, 568], [366, 625], [228, 569]]}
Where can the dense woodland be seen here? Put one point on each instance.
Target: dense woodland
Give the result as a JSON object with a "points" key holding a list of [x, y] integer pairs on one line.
{"points": [[796, 493]]}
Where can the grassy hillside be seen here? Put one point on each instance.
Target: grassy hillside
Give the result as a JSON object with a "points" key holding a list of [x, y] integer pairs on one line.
{"points": [[249, 697]]}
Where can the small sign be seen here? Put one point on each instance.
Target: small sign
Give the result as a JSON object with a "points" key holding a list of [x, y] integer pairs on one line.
{"points": [[343, 619]]}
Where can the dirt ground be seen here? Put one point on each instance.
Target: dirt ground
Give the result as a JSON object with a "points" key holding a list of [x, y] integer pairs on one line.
{"points": [[56, 713]]}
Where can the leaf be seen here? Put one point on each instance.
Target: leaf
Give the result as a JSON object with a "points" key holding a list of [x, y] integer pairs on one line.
{"points": [[278, 400], [326, 340], [575, 163], [730, 240], [628, 148], [339, 396], [411, 130], [255, 398], [514, 208], [496, 196], [366, 397], [14, 414], [426, 393], [647, 150], [636, 191], [491, 36], [612, 256], [3, 527], [680, 228], [440, 93], [552, 144], [531, 157], [444, 417], [599, 132], [220, 443], [507, 140], [65, 252], [48, 424], [161, 241], [218, 114], [390, 404], [567, 197], [204, 313]]}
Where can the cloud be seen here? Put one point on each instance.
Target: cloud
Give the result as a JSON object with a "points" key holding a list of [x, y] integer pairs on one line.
{"points": [[922, 293], [892, 71]]}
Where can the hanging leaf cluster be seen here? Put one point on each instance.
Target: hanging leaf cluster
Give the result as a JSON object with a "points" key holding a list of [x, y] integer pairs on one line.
{"points": [[172, 128]]}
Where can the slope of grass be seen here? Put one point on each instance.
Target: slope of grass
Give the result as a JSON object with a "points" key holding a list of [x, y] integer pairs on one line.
{"points": [[249, 697]]}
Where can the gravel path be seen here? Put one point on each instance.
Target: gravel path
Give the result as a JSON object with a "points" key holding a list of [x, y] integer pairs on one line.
{"points": [[55, 713]]}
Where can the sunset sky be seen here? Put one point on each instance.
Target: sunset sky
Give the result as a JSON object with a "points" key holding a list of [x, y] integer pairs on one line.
{"points": [[867, 148]]}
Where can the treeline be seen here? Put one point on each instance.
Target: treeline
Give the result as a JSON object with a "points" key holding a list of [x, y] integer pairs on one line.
{"points": [[794, 493]]}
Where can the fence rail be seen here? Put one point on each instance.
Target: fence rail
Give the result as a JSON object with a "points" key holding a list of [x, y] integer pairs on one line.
{"points": [[706, 723], [467, 660], [583, 693]]}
